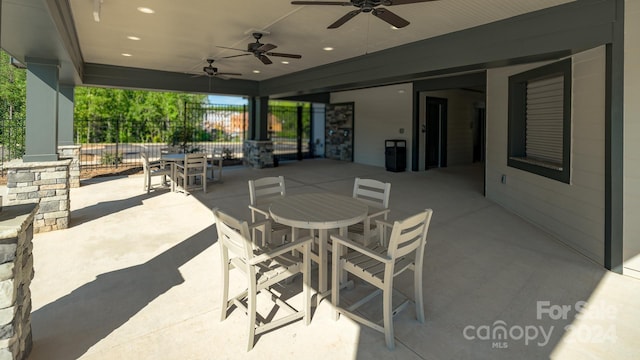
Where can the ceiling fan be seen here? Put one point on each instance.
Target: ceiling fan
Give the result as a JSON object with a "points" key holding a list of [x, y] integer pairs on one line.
{"points": [[261, 51], [366, 6], [212, 71]]}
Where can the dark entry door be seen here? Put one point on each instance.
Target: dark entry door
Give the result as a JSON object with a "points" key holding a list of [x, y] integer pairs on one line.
{"points": [[436, 132]]}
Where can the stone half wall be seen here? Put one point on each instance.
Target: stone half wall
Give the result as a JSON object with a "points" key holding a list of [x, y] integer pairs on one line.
{"points": [[16, 273], [258, 153], [46, 183]]}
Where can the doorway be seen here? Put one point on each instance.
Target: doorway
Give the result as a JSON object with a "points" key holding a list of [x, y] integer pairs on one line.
{"points": [[479, 135], [435, 132]]}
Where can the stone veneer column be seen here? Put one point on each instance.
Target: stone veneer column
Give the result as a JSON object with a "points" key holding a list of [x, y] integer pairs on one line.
{"points": [[71, 152], [16, 273], [258, 153], [46, 183]]}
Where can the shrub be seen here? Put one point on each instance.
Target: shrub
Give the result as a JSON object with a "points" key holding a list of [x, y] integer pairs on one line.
{"points": [[110, 158]]}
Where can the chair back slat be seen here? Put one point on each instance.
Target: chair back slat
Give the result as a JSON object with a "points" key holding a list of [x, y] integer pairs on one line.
{"points": [[145, 161], [233, 235], [372, 192], [266, 189], [409, 234], [195, 160]]}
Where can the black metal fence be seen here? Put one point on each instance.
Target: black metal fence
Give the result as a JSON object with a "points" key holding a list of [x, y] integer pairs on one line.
{"points": [[290, 130], [12, 135], [117, 143], [204, 128]]}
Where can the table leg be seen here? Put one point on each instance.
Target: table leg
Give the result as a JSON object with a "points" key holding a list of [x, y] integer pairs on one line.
{"points": [[322, 263], [343, 274]]}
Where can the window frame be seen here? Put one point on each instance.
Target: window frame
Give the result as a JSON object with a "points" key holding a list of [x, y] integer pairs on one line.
{"points": [[518, 122]]}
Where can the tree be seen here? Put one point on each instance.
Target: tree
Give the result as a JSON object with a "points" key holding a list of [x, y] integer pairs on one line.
{"points": [[13, 99], [110, 115]]}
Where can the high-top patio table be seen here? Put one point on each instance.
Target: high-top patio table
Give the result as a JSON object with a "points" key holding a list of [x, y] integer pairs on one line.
{"points": [[319, 211], [172, 158]]}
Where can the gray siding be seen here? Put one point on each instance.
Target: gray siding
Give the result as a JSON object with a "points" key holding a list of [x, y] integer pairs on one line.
{"points": [[573, 212], [631, 227]]}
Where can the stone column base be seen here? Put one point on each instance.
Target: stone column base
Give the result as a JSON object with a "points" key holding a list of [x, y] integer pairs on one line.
{"points": [[258, 153], [46, 183], [71, 152]]}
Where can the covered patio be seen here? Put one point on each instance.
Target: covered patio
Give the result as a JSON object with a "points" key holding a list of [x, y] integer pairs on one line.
{"points": [[116, 284]]}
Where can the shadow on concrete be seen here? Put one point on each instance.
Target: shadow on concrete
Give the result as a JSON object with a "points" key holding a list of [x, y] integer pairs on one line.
{"points": [[105, 208], [82, 318]]}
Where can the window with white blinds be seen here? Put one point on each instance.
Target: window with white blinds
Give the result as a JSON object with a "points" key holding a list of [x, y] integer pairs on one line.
{"points": [[540, 120], [544, 120]]}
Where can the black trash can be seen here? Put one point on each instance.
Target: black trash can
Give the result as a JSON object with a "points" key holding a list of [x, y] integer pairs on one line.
{"points": [[395, 152]]}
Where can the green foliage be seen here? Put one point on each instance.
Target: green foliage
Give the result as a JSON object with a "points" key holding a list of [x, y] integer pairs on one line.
{"points": [[13, 100], [109, 158], [110, 115], [227, 153]]}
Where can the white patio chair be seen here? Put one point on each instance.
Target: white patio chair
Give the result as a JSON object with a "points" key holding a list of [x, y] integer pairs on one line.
{"points": [[379, 265], [375, 194], [262, 267], [186, 173], [262, 192], [154, 168]]}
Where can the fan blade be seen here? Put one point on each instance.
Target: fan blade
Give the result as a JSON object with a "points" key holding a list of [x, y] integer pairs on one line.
{"points": [[390, 17], [266, 47], [402, 2], [265, 60], [229, 74], [230, 48], [232, 56], [344, 19], [292, 56], [343, 3]]}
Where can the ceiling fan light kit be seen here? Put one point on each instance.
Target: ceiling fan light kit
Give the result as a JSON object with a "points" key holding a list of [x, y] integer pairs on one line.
{"points": [[367, 6], [212, 71], [260, 50]]}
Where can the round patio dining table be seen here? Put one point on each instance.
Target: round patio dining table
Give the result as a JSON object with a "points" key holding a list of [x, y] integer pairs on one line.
{"points": [[319, 211]]}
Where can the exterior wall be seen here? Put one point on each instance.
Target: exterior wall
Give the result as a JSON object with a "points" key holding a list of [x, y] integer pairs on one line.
{"points": [[380, 113], [461, 107], [631, 181], [574, 212]]}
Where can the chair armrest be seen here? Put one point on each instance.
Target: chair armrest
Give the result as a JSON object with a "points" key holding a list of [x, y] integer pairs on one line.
{"points": [[378, 213], [266, 224], [337, 239], [383, 223], [288, 247], [261, 211]]}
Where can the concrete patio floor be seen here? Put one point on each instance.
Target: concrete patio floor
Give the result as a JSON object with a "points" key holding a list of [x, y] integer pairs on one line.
{"points": [[137, 276]]}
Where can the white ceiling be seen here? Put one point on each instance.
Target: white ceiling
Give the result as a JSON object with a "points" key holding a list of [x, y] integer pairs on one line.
{"points": [[180, 35]]}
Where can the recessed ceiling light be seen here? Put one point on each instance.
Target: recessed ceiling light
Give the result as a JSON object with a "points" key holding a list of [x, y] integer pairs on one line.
{"points": [[146, 10], [401, 91], [135, 38], [328, 48], [285, 62], [126, 54], [256, 71]]}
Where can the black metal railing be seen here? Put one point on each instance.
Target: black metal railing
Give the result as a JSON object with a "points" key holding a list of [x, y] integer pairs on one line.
{"points": [[12, 136], [289, 128], [117, 143]]}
